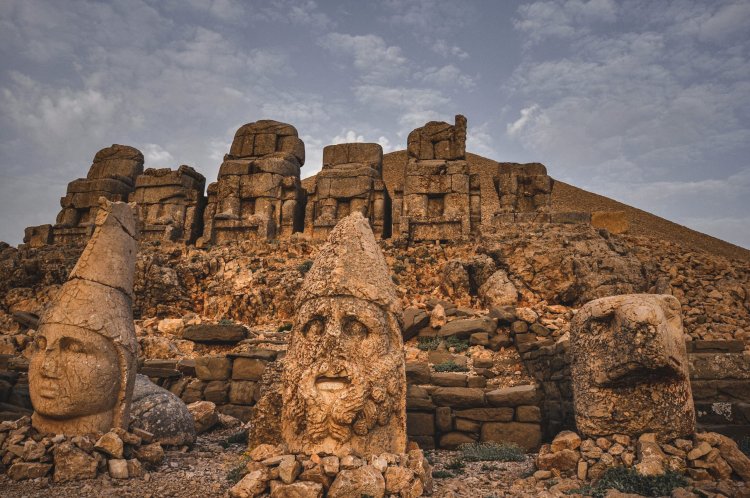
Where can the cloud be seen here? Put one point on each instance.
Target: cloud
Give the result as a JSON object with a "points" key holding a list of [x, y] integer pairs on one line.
{"points": [[562, 18], [349, 137], [727, 21], [527, 114], [373, 58], [155, 156], [447, 76]]}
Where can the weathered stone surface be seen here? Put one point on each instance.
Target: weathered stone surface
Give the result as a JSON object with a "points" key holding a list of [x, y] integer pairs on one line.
{"points": [[342, 386], [565, 440], [118, 468], [82, 372], [150, 454], [363, 481], [458, 397], [452, 440], [414, 319], [629, 367], [213, 368], [258, 192], [110, 444], [514, 396], [161, 413], [417, 372], [420, 424], [248, 369], [214, 333], [613, 221], [73, 464], [251, 485], [300, 489], [20, 471], [464, 328], [204, 414], [563, 460], [527, 436], [487, 414], [351, 180], [498, 290]]}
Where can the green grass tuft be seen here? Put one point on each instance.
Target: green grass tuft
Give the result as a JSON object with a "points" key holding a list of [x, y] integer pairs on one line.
{"points": [[458, 345], [629, 481], [428, 343], [449, 366]]}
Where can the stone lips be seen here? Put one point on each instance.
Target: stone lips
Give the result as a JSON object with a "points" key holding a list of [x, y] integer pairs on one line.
{"points": [[94, 305], [630, 368]]}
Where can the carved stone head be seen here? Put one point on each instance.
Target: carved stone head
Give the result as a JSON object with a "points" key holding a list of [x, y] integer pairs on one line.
{"points": [[629, 367], [343, 378], [82, 373]]}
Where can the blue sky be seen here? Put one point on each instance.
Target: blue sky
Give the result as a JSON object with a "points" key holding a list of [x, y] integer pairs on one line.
{"points": [[645, 101]]}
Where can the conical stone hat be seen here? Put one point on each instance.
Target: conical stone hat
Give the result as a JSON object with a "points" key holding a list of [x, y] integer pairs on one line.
{"points": [[351, 264]]}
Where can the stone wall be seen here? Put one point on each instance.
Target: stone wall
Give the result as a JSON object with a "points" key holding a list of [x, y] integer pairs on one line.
{"points": [[170, 204]]}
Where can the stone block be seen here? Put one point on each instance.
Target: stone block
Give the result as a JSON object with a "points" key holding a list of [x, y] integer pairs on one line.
{"points": [[504, 414], [613, 221], [248, 369], [514, 396], [213, 367], [242, 392], [420, 424], [458, 397], [464, 328], [527, 436], [215, 333], [216, 391]]}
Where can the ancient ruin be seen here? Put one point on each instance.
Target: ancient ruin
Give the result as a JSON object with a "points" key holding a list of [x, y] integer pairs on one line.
{"points": [[343, 379], [524, 192], [630, 368], [440, 197], [170, 204], [82, 374], [112, 175], [258, 192], [351, 180]]}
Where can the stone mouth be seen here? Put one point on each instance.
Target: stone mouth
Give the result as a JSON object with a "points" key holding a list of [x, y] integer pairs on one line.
{"points": [[331, 383], [48, 391]]}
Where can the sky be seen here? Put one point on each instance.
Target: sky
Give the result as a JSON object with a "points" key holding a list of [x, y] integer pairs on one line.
{"points": [[644, 101]]}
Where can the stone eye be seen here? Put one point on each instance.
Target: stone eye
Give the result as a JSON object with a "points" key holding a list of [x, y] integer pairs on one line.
{"points": [[41, 343], [72, 345], [313, 327], [356, 328]]}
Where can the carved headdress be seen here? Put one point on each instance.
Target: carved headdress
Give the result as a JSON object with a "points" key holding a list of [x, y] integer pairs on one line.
{"points": [[351, 264]]}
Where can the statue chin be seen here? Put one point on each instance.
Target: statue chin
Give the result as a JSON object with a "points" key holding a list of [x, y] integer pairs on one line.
{"points": [[83, 424]]}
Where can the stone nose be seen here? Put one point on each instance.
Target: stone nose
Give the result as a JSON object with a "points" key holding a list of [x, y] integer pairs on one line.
{"points": [[51, 364]]}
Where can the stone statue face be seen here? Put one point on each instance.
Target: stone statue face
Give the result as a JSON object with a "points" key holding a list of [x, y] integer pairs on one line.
{"points": [[74, 372], [343, 372], [629, 367]]}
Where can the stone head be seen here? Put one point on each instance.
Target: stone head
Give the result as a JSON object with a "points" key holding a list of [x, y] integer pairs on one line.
{"points": [[343, 374], [629, 367]]}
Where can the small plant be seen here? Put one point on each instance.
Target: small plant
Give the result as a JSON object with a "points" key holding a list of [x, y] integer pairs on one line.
{"points": [[629, 481], [226, 321], [305, 266], [399, 267], [450, 366], [284, 328], [456, 465], [458, 345], [237, 472], [486, 467], [492, 452], [441, 474], [236, 438], [428, 343]]}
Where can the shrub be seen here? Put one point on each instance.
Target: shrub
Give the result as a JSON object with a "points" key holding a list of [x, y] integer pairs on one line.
{"points": [[428, 343], [492, 452], [629, 481], [236, 438], [284, 328], [239, 471], [441, 474], [305, 266], [450, 366], [456, 465], [458, 345], [226, 321], [399, 267]]}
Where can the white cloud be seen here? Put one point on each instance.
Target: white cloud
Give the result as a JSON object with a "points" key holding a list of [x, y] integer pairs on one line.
{"points": [[155, 156], [727, 21], [350, 136], [447, 76], [562, 18], [375, 60], [527, 114]]}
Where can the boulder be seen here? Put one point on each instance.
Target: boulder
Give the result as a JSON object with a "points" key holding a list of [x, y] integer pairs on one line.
{"points": [[463, 328], [213, 368], [161, 413], [498, 290], [300, 489], [215, 333], [363, 481], [72, 463], [20, 471], [204, 414], [414, 320]]}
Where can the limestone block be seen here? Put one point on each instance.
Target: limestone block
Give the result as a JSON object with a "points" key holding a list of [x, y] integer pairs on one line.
{"points": [[630, 367], [613, 221], [527, 436], [261, 185], [294, 146]]}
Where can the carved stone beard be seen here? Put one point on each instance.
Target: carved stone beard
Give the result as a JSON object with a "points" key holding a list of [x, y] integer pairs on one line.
{"points": [[365, 402]]}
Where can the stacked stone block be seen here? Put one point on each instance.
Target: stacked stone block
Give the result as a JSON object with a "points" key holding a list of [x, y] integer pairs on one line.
{"points": [[258, 192], [112, 175], [524, 192], [170, 204], [441, 199], [351, 180]]}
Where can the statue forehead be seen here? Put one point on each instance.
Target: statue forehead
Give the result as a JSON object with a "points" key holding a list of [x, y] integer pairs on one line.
{"points": [[55, 332], [351, 304]]}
